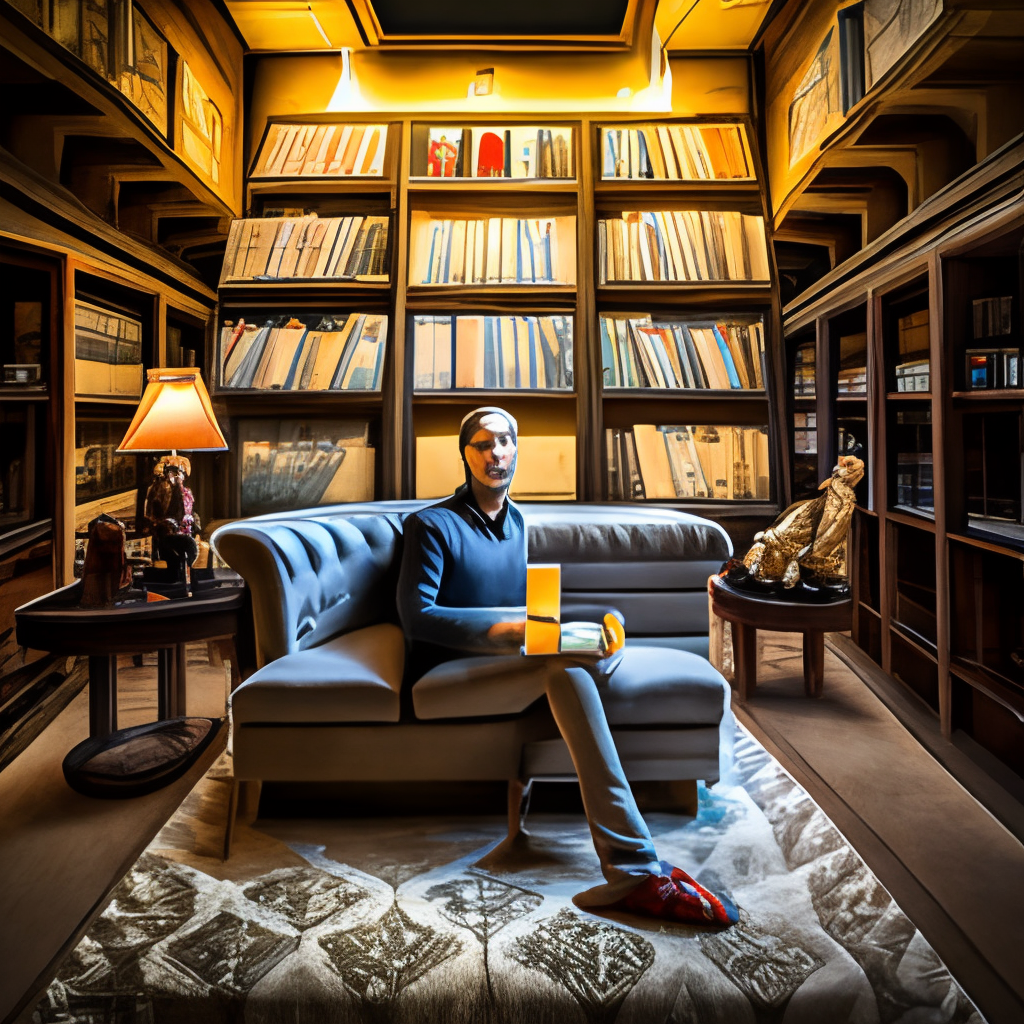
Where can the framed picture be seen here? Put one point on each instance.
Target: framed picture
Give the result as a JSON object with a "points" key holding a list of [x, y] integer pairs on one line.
{"points": [[302, 463], [108, 353], [201, 125], [144, 81]]}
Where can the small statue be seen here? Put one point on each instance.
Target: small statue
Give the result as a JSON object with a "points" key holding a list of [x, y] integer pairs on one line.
{"points": [[802, 554], [107, 573], [169, 511]]}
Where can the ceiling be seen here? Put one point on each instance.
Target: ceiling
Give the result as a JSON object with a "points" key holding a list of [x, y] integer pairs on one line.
{"points": [[290, 25]]}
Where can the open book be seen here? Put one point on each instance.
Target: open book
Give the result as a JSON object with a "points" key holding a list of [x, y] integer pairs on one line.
{"points": [[546, 634]]}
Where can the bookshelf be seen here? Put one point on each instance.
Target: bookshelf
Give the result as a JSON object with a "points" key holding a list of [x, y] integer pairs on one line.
{"points": [[493, 287], [938, 535]]}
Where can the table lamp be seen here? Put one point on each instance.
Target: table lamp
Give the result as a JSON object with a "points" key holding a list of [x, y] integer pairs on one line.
{"points": [[175, 413]]}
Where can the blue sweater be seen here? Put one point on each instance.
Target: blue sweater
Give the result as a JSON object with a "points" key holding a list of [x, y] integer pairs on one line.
{"points": [[461, 573]]}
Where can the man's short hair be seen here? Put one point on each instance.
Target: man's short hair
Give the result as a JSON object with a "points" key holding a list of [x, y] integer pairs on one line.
{"points": [[471, 424]]}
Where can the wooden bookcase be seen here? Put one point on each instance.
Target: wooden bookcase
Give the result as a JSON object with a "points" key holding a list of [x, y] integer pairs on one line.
{"points": [[548, 290], [938, 537]]}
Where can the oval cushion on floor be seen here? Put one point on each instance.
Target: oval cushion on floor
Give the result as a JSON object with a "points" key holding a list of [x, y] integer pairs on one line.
{"points": [[139, 760]]}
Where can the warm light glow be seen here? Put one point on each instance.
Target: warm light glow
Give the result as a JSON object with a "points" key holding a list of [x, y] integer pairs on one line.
{"points": [[346, 94], [543, 602], [175, 412]]}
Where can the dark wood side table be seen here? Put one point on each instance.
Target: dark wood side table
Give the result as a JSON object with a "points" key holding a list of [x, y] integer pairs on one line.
{"points": [[750, 612], [58, 624]]}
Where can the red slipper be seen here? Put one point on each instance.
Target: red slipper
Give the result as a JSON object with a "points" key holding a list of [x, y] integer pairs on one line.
{"points": [[669, 899], [725, 912]]}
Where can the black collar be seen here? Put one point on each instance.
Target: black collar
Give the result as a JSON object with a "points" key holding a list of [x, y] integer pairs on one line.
{"points": [[495, 525]]}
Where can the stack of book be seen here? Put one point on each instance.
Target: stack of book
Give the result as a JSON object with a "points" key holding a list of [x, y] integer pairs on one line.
{"points": [[343, 352], [914, 375], [309, 247], [108, 352], [668, 462], [329, 462], [852, 381], [675, 151], [803, 372], [305, 150], [495, 152], [639, 352], [682, 245], [492, 352], [494, 250]]}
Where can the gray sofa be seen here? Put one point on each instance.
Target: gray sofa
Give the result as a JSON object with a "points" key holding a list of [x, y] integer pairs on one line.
{"points": [[326, 702]]}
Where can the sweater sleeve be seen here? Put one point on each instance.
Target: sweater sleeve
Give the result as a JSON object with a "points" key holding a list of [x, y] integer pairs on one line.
{"points": [[423, 618]]}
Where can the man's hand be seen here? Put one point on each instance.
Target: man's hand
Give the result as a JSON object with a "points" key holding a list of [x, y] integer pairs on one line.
{"points": [[508, 635]]}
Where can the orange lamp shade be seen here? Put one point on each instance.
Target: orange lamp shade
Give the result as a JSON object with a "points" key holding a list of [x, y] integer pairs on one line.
{"points": [[543, 608], [175, 412]]}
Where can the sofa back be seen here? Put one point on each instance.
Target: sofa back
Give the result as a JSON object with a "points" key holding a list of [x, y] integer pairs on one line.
{"points": [[314, 573]]}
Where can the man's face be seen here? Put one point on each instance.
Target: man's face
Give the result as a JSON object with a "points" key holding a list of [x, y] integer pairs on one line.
{"points": [[491, 453]]}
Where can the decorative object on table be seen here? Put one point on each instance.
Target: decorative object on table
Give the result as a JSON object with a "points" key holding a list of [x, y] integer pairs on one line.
{"points": [[169, 512], [107, 571], [802, 554], [175, 412]]}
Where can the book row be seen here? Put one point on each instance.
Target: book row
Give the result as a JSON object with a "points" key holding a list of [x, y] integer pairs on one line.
{"points": [[305, 150], [492, 352], [106, 336], [320, 353], [330, 462], [285, 248], [675, 152], [648, 461], [515, 152], [640, 352], [493, 250], [682, 245], [664, 152]]}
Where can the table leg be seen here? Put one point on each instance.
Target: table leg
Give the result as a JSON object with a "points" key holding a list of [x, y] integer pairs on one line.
{"points": [[102, 694], [166, 691], [171, 681], [814, 663], [744, 658], [180, 687]]}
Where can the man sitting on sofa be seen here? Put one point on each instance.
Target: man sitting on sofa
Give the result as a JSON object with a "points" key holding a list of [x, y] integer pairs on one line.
{"points": [[461, 599]]}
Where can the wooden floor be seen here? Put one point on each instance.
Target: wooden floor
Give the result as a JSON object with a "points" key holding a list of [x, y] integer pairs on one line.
{"points": [[952, 865]]}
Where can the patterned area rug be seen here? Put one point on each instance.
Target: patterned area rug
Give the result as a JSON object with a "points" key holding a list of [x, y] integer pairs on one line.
{"points": [[387, 920]]}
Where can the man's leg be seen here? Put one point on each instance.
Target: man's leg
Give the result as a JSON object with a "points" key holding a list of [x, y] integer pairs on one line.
{"points": [[623, 843], [637, 882]]}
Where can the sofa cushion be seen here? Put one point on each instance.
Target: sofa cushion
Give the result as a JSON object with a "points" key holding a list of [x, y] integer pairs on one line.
{"points": [[355, 677], [618, 533], [649, 686]]}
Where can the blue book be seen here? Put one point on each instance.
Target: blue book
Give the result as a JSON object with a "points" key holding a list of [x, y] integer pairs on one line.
{"points": [[608, 165], [515, 347], [548, 270], [430, 260], [730, 365], [644, 162], [609, 367], [490, 354], [289, 381]]}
